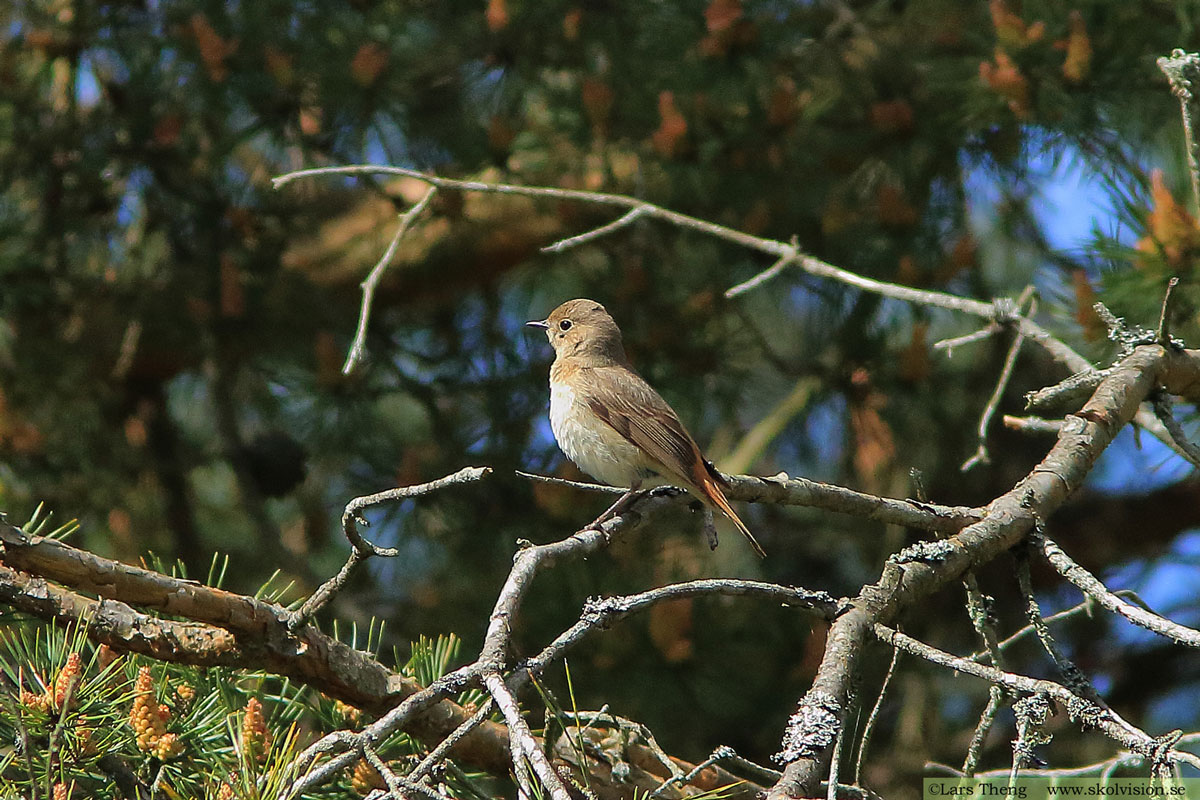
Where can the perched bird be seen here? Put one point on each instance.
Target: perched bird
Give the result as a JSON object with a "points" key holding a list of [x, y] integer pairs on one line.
{"points": [[610, 422]]}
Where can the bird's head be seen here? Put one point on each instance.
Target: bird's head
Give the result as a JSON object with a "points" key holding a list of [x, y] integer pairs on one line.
{"points": [[582, 328]]}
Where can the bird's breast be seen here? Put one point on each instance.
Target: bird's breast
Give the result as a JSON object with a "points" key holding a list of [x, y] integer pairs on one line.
{"points": [[594, 446]]}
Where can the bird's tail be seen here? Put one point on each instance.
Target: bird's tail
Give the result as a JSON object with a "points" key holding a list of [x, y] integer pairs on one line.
{"points": [[711, 488]]}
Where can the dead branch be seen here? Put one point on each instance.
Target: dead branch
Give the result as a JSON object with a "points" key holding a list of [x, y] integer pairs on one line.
{"points": [[1162, 410], [783, 490], [1009, 517], [979, 610], [1079, 708], [1090, 585], [627, 219], [1002, 310], [358, 348], [1032, 424], [363, 549], [985, 419]]}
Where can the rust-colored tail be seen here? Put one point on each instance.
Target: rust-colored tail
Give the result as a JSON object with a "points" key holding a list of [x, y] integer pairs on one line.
{"points": [[712, 490]]}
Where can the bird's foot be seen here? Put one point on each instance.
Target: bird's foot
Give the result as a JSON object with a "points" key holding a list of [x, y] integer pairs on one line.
{"points": [[619, 507]]}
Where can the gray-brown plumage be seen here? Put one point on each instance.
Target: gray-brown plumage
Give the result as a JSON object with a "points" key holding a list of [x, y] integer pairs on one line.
{"points": [[610, 422]]}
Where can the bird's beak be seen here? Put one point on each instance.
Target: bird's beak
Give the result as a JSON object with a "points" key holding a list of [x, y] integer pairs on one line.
{"points": [[538, 323]]}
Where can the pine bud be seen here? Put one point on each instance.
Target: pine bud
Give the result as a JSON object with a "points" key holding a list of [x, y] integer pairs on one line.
{"points": [[34, 701], [148, 719], [364, 778], [185, 692], [68, 681], [256, 739], [167, 746]]}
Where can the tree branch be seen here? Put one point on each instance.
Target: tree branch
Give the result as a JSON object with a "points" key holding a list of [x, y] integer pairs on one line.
{"points": [[363, 549], [258, 628], [1010, 361], [1009, 518], [358, 348], [1090, 585], [783, 490], [627, 219], [1179, 68], [1162, 410], [999, 310], [1078, 707]]}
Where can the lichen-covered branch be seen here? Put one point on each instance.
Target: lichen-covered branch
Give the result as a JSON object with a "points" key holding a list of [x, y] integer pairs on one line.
{"points": [[809, 739]]}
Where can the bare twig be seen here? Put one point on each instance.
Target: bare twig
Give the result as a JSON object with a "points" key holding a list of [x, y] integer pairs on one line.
{"points": [[778, 249], [762, 277], [1179, 68], [1032, 424], [1079, 708], [601, 613], [400, 787], [518, 732], [628, 218], [721, 753], [1124, 758], [1162, 410], [1162, 334], [987, 718], [831, 786], [869, 728], [1069, 393], [1072, 677], [979, 610], [784, 490], [585, 486], [438, 753], [986, 332], [1094, 588], [1087, 606], [1010, 360], [364, 549], [358, 348], [599, 198], [343, 746]]}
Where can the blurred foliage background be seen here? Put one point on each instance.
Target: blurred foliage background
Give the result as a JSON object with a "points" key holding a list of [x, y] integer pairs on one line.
{"points": [[172, 329]]}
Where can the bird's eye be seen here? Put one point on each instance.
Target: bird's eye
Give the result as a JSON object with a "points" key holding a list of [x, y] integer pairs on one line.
{"points": [[565, 325]]}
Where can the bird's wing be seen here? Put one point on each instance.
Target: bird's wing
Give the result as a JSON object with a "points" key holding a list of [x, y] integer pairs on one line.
{"points": [[631, 407], [640, 415]]}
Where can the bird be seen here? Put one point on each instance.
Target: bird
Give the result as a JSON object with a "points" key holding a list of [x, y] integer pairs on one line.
{"points": [[609, 421]]}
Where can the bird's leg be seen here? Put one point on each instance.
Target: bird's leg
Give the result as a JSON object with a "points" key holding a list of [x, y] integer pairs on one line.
{"points": [[623, 502]]}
